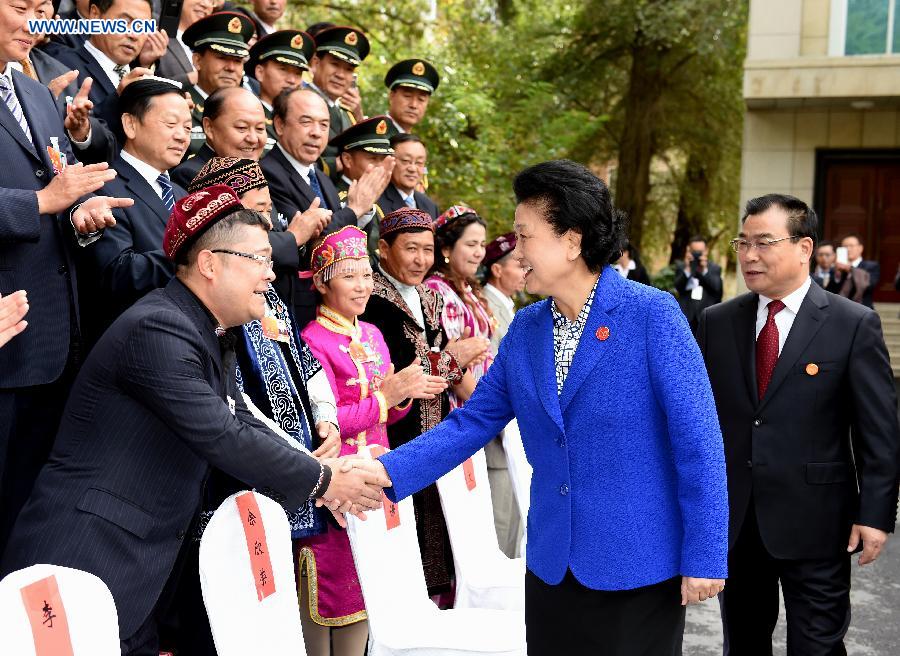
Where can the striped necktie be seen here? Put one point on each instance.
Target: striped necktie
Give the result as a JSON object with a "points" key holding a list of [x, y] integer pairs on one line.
{"points": [[168, 198], [9, 97]]}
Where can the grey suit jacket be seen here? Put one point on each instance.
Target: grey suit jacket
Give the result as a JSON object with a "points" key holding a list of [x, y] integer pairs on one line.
{"points": [[175, 64]]}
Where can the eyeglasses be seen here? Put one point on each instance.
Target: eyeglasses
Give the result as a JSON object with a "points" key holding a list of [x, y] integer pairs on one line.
{"points": [[762, 245], [259, 259]]}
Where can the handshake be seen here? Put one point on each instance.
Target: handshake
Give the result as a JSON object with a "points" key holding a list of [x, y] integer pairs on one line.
{"points": [[356, 486]]}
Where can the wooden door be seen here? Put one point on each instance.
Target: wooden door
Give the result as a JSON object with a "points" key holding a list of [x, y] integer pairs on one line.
{"points": [[864, 198]]}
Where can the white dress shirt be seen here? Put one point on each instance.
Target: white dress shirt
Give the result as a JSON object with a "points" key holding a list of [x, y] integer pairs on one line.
{"points": [[410, 296], [303, 169], [149, 173], [107, 64], [784, 319]]}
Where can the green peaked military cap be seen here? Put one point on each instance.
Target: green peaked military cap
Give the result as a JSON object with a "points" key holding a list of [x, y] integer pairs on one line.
{"points": [[291, 47], [413, 73], [346, 43], [372, 135], [226, 32]]}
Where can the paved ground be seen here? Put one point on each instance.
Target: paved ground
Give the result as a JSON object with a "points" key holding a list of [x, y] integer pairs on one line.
{"points": [[874, 629]]}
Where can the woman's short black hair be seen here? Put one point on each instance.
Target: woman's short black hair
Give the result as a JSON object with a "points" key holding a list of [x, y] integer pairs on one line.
{"points": [[573, 198]]}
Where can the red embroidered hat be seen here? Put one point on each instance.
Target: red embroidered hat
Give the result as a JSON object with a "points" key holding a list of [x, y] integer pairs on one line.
{"points": [[196, 212], [499, 248], [405, 218]]}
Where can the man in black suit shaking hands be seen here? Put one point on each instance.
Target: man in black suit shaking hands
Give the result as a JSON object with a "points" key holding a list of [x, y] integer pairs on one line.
{"points": [[806, 401]]}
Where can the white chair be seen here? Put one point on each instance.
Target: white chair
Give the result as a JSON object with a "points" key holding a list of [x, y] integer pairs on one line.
{"points": [[247, 613], [49, 610], [520, 473], [485, 576], [402, 619]]}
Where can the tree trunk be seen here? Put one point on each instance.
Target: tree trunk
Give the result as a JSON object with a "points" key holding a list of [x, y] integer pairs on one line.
{"points": [[636, 148], [693, 203]]}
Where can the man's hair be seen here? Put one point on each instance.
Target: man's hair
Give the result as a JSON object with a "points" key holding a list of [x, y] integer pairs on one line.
{"points": [[140, 105], [390, 238], [823, 244], [853, 235], [698, 238], [282, 101], [215, 104], [104, 5], [801, 222], [221, 234], [405, 137], [572, 198]]}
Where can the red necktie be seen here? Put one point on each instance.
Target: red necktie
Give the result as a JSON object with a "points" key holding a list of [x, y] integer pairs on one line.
{"points": [[767, 349]]}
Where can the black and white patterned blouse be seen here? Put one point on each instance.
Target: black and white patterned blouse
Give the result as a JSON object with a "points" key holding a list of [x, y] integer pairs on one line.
{"points": [[566, 335]]}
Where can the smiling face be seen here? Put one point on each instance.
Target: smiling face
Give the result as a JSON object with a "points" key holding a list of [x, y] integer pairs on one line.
{"points": [[269, 11], [274, 77], [332, 75], [410, 257], [15, 40], [240, 129], [407, 106], [348, 290], [412, 158], [217, 71], [304, 131], [237, 284], [780, 268], [192, 11], [548, 258], [467, 252], [123, 48], [162, 136]]}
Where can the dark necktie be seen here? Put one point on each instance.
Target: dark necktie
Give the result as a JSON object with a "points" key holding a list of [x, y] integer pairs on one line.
{"points": [[168, 198], [317, 190], [767, 349], [119, 70]]}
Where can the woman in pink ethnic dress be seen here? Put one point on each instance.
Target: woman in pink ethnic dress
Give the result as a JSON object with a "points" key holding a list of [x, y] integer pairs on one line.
{"points": [[369, 395], [460, 240]]}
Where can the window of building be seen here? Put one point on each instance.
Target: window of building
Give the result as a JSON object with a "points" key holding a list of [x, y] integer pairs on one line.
{"points": [[864, 27]]}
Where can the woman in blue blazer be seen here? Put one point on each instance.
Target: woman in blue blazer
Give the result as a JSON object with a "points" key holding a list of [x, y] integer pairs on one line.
{"points": [[629, 509]]}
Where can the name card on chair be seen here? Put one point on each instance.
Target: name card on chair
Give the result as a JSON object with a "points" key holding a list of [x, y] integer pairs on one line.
{"points": [[255, 532], [469, 473], [49, 626], [391, 509]]}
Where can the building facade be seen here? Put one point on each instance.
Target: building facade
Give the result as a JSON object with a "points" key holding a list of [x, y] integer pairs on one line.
{"points": [[822, 122]]}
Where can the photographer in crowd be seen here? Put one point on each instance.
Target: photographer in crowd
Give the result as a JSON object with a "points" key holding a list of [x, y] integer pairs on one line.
{"points": [[697, 281]]}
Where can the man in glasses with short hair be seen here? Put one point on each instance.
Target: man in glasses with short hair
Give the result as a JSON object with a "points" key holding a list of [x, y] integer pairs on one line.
{"points": [[806, 402]]}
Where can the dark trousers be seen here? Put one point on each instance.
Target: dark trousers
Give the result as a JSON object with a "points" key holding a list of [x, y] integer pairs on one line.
{"points": [[816, 599], [571, 619], [29, 419]]}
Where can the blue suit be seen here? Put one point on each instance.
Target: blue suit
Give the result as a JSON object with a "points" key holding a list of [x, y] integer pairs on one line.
{"points": [[629, 474]]}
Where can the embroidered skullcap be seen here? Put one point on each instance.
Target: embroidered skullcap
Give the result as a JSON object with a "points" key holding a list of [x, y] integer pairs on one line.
{"points": [[499, 248], [194, 214], [451, 214], [240, 174], [406, 218]]}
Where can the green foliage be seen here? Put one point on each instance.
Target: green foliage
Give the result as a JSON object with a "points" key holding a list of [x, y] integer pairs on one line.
{"points": [[524, 81]]}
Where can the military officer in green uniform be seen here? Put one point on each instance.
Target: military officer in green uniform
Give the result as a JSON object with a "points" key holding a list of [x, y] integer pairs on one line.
{"points": [[410, 84], [365, 144], [339, 50], [277, 62], [219, 43]]}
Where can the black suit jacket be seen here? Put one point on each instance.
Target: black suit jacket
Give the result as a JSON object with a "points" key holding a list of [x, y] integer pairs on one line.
{"points": [[874, 269], [59, 42], [184, 173], [103, 94], [712, 292], [128, 261], [821, 450], [291, 194], [35, 249], [148, 416], [392, 200], [103, 145]]}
